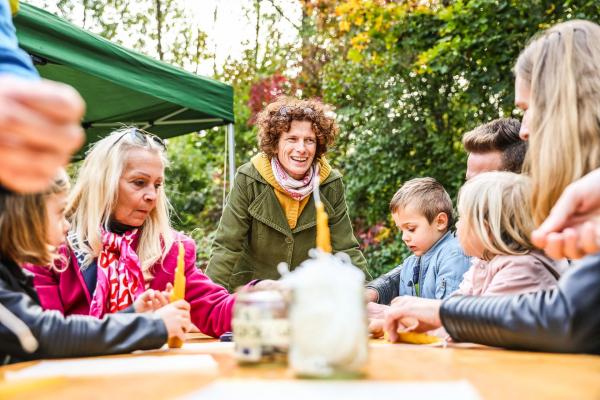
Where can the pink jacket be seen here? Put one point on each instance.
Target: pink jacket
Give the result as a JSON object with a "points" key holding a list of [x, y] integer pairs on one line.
{"points": [[211, 304], [509, 275]]}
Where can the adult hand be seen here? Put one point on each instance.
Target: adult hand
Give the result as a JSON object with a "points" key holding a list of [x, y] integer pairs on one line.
{"points": [[408, 313], [150, 300], [572, 229], [176, 317], [39, 131]]}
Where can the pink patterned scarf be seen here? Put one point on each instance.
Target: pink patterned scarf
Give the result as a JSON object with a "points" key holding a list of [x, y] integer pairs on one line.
{"points": [[120, 278], [297, 189]]}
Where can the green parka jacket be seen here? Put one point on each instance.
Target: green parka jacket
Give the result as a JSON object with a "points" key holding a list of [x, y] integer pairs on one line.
{"points": [[254, 236]]}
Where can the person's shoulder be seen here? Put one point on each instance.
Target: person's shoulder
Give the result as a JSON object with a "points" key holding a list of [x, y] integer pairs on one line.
{"points": [[449, 245]]}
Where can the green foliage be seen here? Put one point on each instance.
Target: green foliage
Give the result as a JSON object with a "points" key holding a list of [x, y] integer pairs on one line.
{"points": [[404, 108]]}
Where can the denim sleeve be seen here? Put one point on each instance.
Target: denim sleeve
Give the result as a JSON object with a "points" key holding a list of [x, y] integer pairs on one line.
{"points": [[387, 285], [13, 60], [452, 267]]}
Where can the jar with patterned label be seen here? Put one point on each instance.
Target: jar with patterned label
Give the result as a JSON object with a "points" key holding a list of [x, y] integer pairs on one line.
{"points": [[261, 329]]}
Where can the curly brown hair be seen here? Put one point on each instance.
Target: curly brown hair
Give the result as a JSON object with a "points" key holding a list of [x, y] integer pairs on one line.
{"points": [[277, 118]]}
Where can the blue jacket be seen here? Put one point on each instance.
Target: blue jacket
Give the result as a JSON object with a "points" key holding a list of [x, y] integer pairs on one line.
{"points": [[13, 60], [441, 272]]}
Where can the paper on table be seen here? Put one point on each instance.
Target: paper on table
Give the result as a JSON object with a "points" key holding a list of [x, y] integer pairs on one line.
{"points": [[85, 367], [330, 390]]}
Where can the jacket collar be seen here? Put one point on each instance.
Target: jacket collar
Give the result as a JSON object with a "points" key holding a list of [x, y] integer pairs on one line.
{"points": [[266, 208], [429, 253]]}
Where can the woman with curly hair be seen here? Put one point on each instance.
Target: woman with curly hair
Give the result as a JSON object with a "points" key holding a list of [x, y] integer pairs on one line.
{"points": [[270, 213]]}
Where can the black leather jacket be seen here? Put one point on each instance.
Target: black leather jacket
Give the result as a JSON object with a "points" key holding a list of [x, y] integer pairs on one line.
{"points": [[565, 319], [72, 336]]}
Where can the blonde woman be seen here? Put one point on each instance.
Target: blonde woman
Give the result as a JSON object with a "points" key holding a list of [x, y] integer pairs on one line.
{"points": [[494, 227], [32, 227], [558, 87], [121, 242]]}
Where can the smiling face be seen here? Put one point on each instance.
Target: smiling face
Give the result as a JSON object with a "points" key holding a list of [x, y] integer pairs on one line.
{"points": [[417, 233], [139, 185], [522, 96], [296, 148]]}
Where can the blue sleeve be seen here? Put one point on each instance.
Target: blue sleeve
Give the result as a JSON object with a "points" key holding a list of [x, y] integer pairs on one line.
{"points": [[13, 60], [452, 267]]}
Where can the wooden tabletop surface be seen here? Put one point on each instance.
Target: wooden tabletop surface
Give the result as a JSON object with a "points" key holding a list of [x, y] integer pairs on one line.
{"points": [[496, 374]]}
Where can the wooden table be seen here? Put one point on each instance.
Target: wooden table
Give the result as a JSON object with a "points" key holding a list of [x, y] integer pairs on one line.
{"points": [[496, 374]]}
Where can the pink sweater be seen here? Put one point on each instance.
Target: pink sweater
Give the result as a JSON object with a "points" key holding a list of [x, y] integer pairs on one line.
{"points": [[211, 304], [509, 275]]}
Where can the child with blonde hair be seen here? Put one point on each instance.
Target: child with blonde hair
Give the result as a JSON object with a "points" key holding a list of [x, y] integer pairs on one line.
{"points": [[494, 227], [32, 228]]}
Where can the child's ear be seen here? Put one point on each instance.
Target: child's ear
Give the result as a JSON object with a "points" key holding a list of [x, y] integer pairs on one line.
{"points": [[441, 221]]}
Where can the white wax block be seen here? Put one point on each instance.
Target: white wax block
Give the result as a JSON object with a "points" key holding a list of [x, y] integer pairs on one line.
{"points": [[90, 367], [228, 389]]}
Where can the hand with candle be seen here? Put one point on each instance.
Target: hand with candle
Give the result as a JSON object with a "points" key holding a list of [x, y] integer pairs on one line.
{"points": [[176, 317]]}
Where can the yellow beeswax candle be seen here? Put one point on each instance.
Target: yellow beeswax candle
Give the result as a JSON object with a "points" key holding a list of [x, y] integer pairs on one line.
{"points": [[323, 235], [178, 290]]}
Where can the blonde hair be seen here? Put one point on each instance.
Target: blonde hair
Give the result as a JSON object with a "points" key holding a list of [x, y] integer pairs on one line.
{"points": [[24, 224], [562, 69], [94, 197], [427, 195], [494, 206]]}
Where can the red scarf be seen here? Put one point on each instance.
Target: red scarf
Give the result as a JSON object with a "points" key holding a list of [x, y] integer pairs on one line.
{"points": [[120, 277]]}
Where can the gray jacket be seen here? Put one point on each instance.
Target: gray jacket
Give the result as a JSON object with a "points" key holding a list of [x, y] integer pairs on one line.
{"points": [[73, 336]]}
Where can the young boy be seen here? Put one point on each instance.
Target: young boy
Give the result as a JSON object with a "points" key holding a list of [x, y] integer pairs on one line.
{"points": [[422, 210]]}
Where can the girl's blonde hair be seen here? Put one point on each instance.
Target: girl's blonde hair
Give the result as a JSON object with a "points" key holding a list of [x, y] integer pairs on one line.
{"points": [[24, 224], [94, 197], [562, 69], [494, 207]]}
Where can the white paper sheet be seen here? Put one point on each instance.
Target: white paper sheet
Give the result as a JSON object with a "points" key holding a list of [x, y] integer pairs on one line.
{"points": [[85, 367], [331, 390]]}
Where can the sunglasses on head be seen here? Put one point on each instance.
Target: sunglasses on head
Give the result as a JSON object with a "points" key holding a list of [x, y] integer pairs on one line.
{"points": [[142, 137], [284, 111]]}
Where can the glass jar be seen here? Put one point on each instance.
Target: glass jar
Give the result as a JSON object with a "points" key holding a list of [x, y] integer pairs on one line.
{"points": [[261, 329]]}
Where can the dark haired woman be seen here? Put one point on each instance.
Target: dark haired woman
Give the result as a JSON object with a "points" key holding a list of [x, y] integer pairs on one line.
{"points": [[270, 214]]}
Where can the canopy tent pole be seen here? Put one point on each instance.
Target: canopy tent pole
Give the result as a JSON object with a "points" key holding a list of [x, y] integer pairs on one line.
{"points": [[231, 140]]}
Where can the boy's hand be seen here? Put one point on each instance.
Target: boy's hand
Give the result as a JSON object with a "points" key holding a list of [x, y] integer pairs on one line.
{"points": [[376, 327], [376, 311], [372, 295], [150, 300], [409, 313], [176, 317]]}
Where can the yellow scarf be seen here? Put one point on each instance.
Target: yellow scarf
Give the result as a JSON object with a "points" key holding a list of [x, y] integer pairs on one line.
{"points": [[292, 208]]}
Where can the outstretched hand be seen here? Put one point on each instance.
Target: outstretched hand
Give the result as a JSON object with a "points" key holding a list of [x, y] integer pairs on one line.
{"points": [[572, 229], [40, 128]]}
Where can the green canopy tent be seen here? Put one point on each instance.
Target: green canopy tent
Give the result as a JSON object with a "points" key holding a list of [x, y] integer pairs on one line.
{"points": [[121, 86]]}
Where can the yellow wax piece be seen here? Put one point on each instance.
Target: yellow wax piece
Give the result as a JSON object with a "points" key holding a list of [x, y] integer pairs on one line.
{"points": [[323, 235], [417, 338], [178, 290]]}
